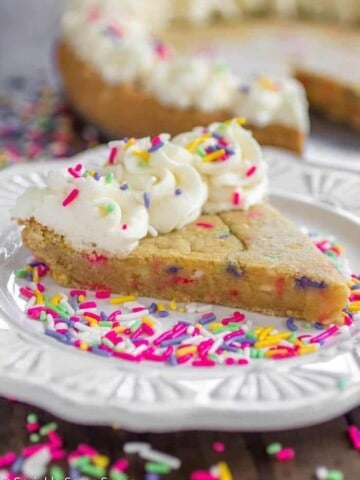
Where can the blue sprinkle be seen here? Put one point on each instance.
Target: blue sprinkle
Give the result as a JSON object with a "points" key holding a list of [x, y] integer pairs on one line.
{"points": [[290, 323], [74, 473], [237, 338], [97, 176], [173, 269], [58, 336], [229, 151], [100, 351], [174, 341], [228, 348], [163, 313], [146, 200], [355, 287], [306, 282], [178, 191], [125, 186], [152, 308], [206, 320], [233, 270], [155, 147], [216, 135], [152, 476], [103, 316], [318, 326], [172, 360], [16, 467]]}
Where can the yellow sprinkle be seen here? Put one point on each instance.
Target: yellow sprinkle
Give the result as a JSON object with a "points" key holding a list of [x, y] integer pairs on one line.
{"points": [[160, 307], [281, 336], [83, 346], [354, 306], [197, 141], [81, 298], [100, 461], [91, 173], [181, 309], [35, 275], [182, 351], [148, 321], [213, 326], [119, 329], [129, 143], [308, 349], [241, 121], [142, 154], [172, 305], [224, 471], [269, 342], [265, 332], [91, 320], [258, 330], [56, 299], [119, 300], [198, 325], [214, 155], [39, 298], [267, 83]]}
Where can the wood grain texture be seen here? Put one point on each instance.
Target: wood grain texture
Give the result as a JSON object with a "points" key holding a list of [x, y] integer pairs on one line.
{"points": [[325, 444]]}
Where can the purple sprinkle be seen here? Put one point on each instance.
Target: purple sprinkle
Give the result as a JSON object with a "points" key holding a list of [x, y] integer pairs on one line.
{"points": [[125, 186], [318, 326], [206, 320], [228, 348], [306, 282], [245, 89], [103, 316], [174, 341], [229, 151], [97, 176], [233, 270], [146, 200], [291, 325], [16, 467], [178, 191], [58, 336], [100, 351], [152, 308], [172, 361], [217, 136], [163, 313], [173, 269]]}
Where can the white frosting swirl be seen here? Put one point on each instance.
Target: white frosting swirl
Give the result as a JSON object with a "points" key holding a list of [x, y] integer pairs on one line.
{"points": [[263, 101], [163, 179], [102, 216], [188, 82], [237, 178]]}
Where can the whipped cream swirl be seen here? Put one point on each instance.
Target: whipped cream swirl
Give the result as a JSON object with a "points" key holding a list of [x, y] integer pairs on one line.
{"points": [[161, 174], [231, 162], [91, 211]]}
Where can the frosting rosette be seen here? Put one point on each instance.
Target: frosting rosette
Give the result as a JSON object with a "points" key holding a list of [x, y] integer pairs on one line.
{"points": [[231, 163], [162, 177], [89, 209]]}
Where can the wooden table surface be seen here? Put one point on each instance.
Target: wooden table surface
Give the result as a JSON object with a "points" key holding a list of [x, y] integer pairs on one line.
{"points": [[325, 444]]}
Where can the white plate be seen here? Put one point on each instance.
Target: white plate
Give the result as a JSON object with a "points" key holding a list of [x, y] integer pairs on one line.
{"points": [[265, 395]]}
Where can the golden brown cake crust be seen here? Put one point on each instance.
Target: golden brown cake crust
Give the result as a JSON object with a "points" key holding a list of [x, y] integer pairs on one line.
{"points": [[255, 260], [332, 98], [103, 105]]}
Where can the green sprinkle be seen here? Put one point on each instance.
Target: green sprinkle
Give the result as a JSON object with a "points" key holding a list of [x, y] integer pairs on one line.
{"points": [[104, 323], [201, 152], [143, 163], [32, 418], [307, 325], [58, 310], [273, 448], [57, 473], [105, 341], [254, 353], [85, 174], [156, 467], [21, 273], [342, 383], [135, 326], [80, 462], [115, 475], [43, 317], [110, 207], [261, 353], [250, 336], [293, 337], [34, 438], [50, 427], [335, 475], [219, 330], [232, 326], [109, 177], [214, 357], [93, 470]]}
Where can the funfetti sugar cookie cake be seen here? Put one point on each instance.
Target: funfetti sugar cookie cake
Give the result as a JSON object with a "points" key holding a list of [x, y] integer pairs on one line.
{"points": [[119, 76], [184, 219]]}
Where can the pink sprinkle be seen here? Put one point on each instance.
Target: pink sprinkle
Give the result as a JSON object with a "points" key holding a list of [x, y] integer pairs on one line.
{"points": [[204, 347], [77, 293], [73, 173], [354, 435], [243, 361], [41, 287], [124, 226], [71, 197], [324, 335], [32, 449], [137, 309], [236, 198], [58, 455], [112, 155], [127, 356], [285, 454], [203, 362], [121, 465], [102, 294], [114, 337], [231, 335], [251, 171], [32, 427], [354, 297], [34, 312], [55, 440], [149, 354], [7, 460], [219, 447], [78, 167], [114, 314], [26, 292], [202, 475], [230, 361], [204, 224], [156, 140], [85, 449], [85, 305]]}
